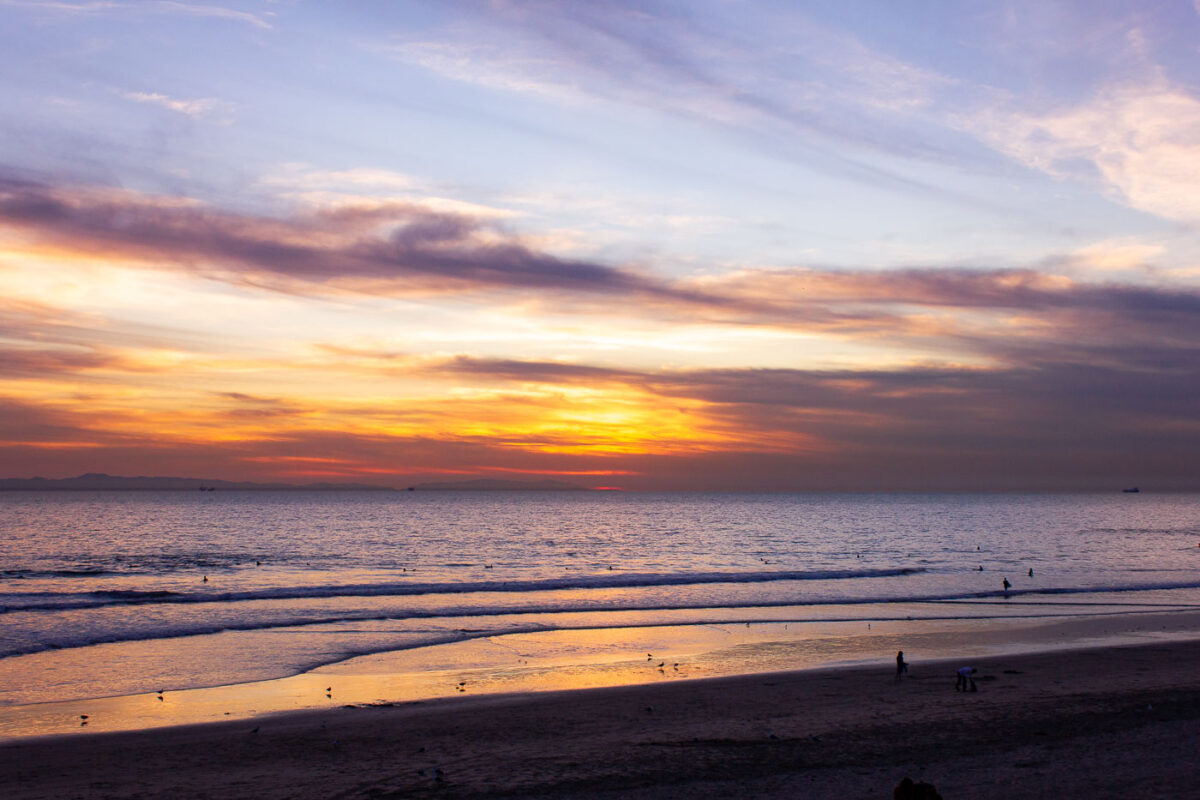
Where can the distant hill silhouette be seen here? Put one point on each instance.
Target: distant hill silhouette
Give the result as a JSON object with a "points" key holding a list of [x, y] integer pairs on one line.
{"points": [[94, 481], [489, 485]]}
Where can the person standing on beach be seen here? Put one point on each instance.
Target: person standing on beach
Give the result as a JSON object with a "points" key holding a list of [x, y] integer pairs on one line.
{"points": [[964, 680], [901, 664], [1006, 585]]}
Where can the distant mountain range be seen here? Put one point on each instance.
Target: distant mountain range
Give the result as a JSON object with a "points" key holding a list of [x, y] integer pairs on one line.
{"points": [[489, 485], [99, 481]]}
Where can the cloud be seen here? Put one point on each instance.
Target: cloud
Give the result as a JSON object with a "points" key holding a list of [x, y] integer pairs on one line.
{"points": [[800, 90], [1140, 140], [35, 325], [538, 371], [24, 362], [1120, 254], [1052, 424], [385, 247], [197, 109], [240, 406], [406, 249], [144, 7], [213, 11]]}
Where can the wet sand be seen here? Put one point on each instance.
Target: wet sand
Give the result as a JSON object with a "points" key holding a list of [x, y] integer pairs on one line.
{"points": [[1111, 722]]}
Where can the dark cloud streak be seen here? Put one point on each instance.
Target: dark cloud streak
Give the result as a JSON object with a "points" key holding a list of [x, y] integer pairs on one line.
{"points": [[402, 246]]}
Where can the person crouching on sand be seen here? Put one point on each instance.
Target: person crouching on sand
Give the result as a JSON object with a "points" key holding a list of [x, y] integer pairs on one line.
{"points": [[965, 681], [901, 665]]}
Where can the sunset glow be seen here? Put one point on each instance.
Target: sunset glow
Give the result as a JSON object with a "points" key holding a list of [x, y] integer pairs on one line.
{"points": [[631, 246]]}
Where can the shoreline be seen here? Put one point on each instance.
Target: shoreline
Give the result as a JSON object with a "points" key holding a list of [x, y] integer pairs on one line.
{"points": [[1101, 721], [611, 657]]}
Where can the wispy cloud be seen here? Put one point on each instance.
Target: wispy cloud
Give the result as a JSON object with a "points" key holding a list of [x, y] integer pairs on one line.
{"points": [[390, 247], [1140, 141], [145, 7], [810, 92], [214, 11], [196, 108], [367, 187], [405, 249]]}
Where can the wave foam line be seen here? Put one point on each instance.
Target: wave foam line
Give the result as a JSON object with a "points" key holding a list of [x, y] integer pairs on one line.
{"points": [[78, 600], [450, 613]]}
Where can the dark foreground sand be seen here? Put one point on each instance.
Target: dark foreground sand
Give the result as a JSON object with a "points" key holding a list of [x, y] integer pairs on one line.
{"points": [[1118, 722]]}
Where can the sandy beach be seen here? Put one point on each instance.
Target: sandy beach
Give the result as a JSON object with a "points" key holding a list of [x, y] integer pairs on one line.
{"points": [[1108, 722]]}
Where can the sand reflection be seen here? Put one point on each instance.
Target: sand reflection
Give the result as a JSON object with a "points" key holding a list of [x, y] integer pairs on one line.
{"points": [[577, 659]]}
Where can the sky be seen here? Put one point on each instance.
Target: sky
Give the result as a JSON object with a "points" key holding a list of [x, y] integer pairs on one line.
{"points": [[712, 245]]}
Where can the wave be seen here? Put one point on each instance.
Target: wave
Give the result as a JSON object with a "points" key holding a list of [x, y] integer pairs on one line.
{"points": [[82, 572], [442, 636], [520, 616], [60, 601], [162, 566]]}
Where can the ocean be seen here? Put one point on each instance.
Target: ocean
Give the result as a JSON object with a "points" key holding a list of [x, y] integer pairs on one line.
{"points": [[118, 594]]}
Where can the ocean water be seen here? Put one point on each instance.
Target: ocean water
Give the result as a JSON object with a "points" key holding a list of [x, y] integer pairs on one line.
{"points": [[116, 593]]}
